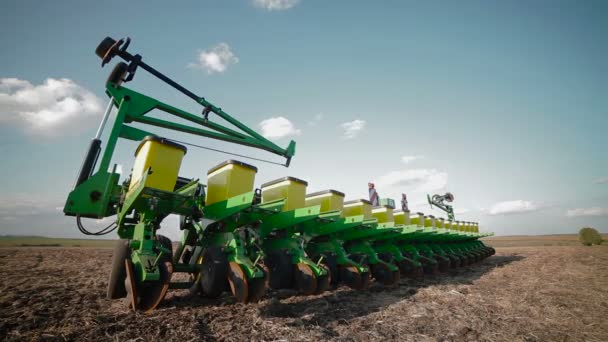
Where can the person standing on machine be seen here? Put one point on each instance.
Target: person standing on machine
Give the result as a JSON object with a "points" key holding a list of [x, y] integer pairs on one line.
{"points": [[373, 195]]}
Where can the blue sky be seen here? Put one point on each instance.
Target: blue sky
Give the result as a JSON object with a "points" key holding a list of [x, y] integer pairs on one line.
{"points": [[505, 104]]}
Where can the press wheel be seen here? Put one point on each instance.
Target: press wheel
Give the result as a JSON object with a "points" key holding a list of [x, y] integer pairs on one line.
{"points": [[429, 266], [435, 269], [258, 286], [454, 261], [418, 272], [281, 270], [405, 267], [213, 272], [351, 277], [366, 278], [304, 279], [479, 256], [410, 268], [466, 261], [396, 276], [383, 274], [324, 281], [472, 258], [116, 282], [239, 285], [331, 263], [463, 260], [444, 263]]}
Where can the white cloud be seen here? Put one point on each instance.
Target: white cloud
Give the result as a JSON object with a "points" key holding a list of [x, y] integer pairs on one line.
{"points": [[352, 128], [409, 159], [279, 127], [419, 180], [275, 5], [215, 59], [27, 204], [52, 108], [315, 120], [602, 180], [512, 207], [593, 211]]}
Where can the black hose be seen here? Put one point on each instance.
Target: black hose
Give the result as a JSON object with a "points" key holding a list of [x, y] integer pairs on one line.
{"points": [[110, 228]]}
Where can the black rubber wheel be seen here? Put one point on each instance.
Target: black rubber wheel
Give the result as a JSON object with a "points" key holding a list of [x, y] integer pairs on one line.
{"points": [[410, 268], [478, 256], [214, 272], [104, 46], [305, 280], [366, 278], [444, 263], [258, 286], [430, 266], [454, 261], [323, 282], [281, 270], [118, 74], [330, 262], [187, 254], [465, 260], [177, 257], [384, 275], [116, 282], [257, 290], [472, 258], [405, 267], [435, 269], [351, 277], [396, 275], [166, 243], [417, 272]]}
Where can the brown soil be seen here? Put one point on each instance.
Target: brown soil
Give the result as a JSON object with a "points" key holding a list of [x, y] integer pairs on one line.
{"points": [[521, 294]]}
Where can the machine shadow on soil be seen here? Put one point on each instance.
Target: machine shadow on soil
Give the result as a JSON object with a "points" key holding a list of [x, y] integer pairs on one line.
{"points": [[341, 302], [344, 304]]}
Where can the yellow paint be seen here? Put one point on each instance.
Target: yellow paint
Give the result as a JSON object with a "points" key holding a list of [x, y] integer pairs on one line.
{"points": [[228, 181], [383, 214], [402, 217], [418, 219], [164, 159], [358, 207], [293, 192], [329, 201]]}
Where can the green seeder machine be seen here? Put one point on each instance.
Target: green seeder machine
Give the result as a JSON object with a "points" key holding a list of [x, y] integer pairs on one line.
{"points": [[236, 238]]}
